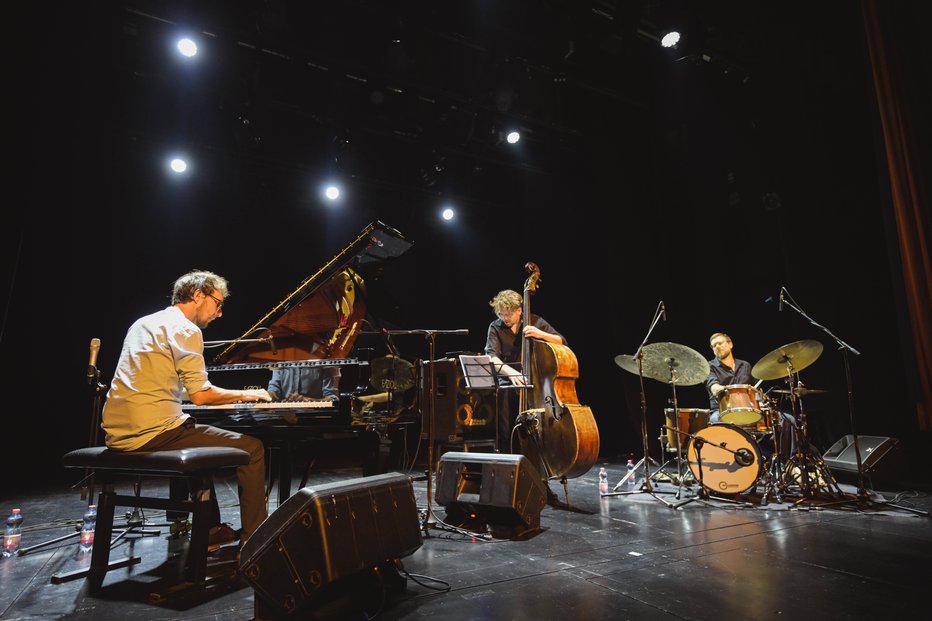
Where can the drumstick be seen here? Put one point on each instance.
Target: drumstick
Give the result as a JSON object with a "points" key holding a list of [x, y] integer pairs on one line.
{"points": [[758, 383]]}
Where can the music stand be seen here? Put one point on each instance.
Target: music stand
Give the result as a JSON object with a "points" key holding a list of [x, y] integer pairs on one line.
{"points": [[479, 373]]}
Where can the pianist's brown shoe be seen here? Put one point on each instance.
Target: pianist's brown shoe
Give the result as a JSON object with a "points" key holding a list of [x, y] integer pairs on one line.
{"points": [[220, 536]]}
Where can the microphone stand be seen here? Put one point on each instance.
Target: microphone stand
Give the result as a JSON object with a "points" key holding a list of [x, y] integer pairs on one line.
{"points": [[647, 487], [431, 336], [87, 482], [862, 498]]}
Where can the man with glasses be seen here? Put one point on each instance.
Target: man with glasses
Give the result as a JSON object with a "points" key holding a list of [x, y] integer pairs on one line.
{"points": [[161, 364]]}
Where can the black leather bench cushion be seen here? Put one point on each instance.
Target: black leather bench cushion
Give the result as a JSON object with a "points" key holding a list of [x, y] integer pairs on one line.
{"points": [[181, 461]]}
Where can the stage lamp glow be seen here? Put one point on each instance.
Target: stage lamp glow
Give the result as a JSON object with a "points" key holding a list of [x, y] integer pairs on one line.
{"points": [[187, 47], [332, 192], [670, 39], [447, 214], [513, 137], [178, 165]]}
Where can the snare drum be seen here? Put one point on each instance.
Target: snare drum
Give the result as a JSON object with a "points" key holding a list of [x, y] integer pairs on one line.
{"points": [[688, 421], [741, 404], [730, 471]]}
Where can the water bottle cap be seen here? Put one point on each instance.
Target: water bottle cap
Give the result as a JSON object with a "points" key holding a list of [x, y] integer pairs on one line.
{"points": [[16, 511]]}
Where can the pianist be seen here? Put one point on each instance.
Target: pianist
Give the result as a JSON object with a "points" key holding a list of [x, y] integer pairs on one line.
{"points": [[162, 359]]}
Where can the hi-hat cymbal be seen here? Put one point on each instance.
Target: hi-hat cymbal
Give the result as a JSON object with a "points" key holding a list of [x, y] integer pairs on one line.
{"points": [[391, 373], [801, 392], [668, 361], [787, 359]]}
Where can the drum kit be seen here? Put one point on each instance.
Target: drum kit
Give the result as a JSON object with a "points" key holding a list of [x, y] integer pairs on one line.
{"points": [[726, 457]]}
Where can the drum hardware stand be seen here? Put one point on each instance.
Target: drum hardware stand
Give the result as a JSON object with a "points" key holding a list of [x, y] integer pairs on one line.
{"points": [[664, 440], [680, 475], [774, 472], [862, 499], [647, 486]]}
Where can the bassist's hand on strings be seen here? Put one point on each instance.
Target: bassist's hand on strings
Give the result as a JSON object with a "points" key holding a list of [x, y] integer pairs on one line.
{"points": [[532, 332]]}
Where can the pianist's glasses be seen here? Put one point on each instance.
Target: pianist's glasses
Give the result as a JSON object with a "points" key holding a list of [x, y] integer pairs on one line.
{"points": [[219, 302]]}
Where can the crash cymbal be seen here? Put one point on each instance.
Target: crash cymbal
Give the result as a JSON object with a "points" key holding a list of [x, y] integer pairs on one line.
{"points": [[799, 354], [688, 366], [801, 392], [391, 373]]}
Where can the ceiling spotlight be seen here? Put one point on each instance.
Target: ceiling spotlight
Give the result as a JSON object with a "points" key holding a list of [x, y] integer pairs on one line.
{"points": [[187, 47], [332, 192], [670, 39], [513, 137], [448, 213], [178, 165]]}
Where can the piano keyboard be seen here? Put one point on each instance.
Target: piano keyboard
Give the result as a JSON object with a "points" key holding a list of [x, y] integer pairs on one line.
{"points": [[262, 405]]}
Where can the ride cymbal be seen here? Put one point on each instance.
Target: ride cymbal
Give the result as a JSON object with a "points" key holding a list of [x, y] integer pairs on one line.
{"points": [[791, 358], [666, 362], [391, 373]]}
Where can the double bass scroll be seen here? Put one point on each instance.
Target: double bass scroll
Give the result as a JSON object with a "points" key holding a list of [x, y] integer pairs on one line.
{"points": [[566, 441]]}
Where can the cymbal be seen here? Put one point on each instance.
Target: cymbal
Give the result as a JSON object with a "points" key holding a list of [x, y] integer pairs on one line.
{"points": [[391, 373], [801, 392], [688, 366], [379, 397], [799, 354]]}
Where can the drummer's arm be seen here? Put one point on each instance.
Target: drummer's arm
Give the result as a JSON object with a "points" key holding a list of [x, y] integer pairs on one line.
{"points": [[714, 387]]}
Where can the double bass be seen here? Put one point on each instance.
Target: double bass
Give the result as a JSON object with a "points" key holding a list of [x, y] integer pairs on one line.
{"points": [[563, 438]]}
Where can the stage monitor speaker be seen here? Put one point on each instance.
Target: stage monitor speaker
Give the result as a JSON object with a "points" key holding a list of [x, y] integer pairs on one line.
{"points": [[881, 458], [502, 492], [460, 413], [328, 538]]}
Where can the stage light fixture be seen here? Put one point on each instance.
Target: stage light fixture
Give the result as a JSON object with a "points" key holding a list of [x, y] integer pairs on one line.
{"points": [[513, 137], [670, 39], [332, 192], [187, 47], [178, 165], [448, 213]]}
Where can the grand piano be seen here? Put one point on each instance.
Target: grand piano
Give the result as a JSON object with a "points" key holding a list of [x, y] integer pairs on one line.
{"points": [[316, 325]]}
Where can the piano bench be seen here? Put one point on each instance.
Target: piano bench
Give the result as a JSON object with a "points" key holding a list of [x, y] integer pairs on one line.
{"points": [[197, 465]]}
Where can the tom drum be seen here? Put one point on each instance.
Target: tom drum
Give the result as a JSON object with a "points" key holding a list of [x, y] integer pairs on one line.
{"points": [[686, 421]]}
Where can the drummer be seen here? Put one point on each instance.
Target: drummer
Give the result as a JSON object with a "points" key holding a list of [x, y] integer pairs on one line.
{"points": [[726, 370]]}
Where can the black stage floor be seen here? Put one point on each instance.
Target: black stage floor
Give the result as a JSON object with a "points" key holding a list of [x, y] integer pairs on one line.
{"points": [[618, 557]]}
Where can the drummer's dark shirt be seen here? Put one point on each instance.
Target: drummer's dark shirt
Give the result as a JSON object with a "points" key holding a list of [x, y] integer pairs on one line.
{"points": [[721, 374]]}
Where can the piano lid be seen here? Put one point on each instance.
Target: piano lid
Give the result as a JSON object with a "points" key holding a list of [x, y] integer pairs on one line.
{"points": [[323, 315]]}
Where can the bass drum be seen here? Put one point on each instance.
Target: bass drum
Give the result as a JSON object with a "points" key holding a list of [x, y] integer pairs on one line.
{"points": [[724, 458]]}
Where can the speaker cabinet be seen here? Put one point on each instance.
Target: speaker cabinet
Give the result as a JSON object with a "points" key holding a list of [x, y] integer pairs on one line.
{"points": [[461, 413], [327, 536], [881, 458], [504, 493]]}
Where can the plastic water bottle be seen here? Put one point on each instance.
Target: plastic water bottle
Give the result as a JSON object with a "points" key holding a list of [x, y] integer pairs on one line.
{"points": [[13, 533], [631, 475], [603, 480], [87, 529]]}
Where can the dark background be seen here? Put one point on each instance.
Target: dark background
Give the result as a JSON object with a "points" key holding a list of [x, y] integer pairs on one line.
{"points": [[707, 176]]}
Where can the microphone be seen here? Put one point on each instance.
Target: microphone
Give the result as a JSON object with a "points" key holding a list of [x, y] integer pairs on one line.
{"points": [[92, 360], [781, 300], [663, 310]]}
